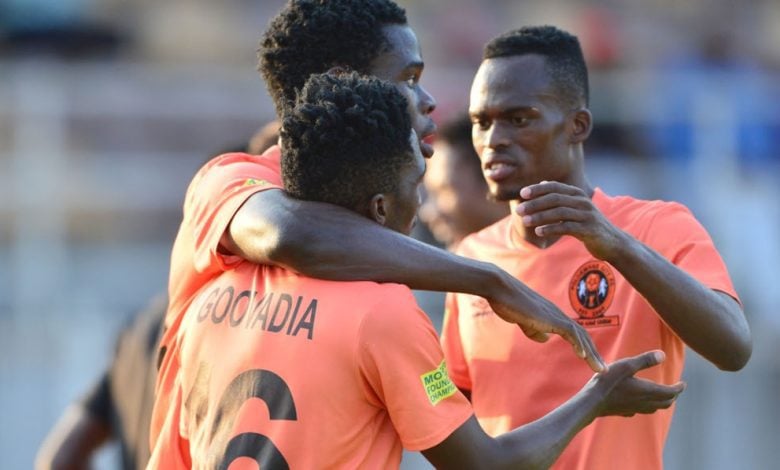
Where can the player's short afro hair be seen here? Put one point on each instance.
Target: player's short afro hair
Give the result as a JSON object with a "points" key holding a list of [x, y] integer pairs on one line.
{"points": [[561, 50], [345, 140], [312, 36]]}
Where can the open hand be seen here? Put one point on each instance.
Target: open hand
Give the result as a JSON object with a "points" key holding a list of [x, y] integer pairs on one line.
{"points": [[555, 209], [629, 395], [537, 316]]}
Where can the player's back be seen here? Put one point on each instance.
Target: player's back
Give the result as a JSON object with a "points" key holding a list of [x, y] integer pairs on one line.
{"points": [[284, 367]]}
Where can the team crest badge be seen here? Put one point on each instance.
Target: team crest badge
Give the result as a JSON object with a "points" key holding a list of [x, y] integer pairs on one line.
{"points": [[591, 290]]}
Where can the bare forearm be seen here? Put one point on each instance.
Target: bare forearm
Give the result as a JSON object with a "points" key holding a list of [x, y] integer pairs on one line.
{"points": [[72, 441], [330, 242], [540, 443], [710, 322]]}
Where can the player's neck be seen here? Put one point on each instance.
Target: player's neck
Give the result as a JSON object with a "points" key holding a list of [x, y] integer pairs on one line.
{"points": [[522, 234]]}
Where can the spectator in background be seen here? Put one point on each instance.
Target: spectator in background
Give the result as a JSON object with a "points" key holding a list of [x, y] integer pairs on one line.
{"points": [[457, 202], [265, 137]]}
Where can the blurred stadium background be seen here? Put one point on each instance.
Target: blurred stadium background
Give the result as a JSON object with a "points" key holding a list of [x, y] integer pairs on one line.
{"points": [[108, 107]]}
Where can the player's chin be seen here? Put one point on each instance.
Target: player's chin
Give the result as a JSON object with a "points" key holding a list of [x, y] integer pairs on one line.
{"points": [[503, 194]]}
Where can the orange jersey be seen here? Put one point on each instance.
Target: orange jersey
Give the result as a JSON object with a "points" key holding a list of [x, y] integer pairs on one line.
{"points": [[279, 368], [213, 197], [514, 380]]}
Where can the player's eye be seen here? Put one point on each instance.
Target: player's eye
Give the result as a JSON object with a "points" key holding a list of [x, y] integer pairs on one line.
{"points": [[482, 124], [518, 120]]}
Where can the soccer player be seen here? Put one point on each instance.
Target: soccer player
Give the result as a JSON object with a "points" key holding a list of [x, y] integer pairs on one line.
{"points": [[456, 203], [281, 370], [637, 274]]}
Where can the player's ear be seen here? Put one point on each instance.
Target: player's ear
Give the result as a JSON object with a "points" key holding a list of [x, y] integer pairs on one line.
{"points": [[377, 208], [582, 125]]}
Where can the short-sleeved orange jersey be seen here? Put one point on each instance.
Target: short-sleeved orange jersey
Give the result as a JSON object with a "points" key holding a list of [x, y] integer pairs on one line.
{"points": [[322, 374], [514, 380], [276, 367], [215, 194]]}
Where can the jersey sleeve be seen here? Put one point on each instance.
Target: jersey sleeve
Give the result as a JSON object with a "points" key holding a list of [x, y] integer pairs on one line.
{"points": [[675, 233], [403, 369], [215, 195], [452, 345]]}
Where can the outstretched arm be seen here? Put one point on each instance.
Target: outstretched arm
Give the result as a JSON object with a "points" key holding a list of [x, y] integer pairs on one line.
{"points": [[330, 242], [73, 441], [538, 444], [711, 322]]}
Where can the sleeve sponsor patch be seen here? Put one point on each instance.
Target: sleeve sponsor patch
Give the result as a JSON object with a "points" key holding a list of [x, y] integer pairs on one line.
{"points": [[437, 384], [256, 182]]}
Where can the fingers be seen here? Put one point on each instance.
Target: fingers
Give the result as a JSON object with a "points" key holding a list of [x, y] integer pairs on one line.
{"points": [[658, 397], [653, 391], [562, 228], [551, 201], [640, 362], [534, 334], [557, 214], [592, 356], [554, 215], [583, 346], [546, 187]]}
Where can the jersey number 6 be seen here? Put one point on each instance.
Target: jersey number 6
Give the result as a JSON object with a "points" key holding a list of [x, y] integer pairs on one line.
{"points": [[255, 383]]}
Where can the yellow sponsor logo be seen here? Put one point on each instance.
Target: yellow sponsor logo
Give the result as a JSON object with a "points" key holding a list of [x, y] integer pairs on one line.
{"points": [[254, 182], [437, 384]]}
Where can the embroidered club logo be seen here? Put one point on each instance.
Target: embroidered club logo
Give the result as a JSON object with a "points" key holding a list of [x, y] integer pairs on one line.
{"points": [[591, 290]]}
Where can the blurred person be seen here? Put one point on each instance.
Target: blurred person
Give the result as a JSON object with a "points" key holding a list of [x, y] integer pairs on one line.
{"points": [[456, 202], [265, 137], [118, 407], [636, 274], [234, 210], [279, 370]]}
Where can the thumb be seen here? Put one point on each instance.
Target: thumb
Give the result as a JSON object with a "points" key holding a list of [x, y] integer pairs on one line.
{"points": [[647, 360], [534, 334]]}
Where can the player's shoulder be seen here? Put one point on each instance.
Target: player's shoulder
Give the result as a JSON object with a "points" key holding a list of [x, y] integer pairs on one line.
{"points": [[361, 294], [628, 210], [230, 161], [400, 294], [386, 305], [231, 173]]}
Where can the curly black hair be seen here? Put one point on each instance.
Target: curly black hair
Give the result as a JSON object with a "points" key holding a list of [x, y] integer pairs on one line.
{"points": [[563, 54], [312, 36], [345, 140]]}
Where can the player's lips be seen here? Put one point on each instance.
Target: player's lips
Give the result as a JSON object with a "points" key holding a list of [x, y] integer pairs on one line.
{"points": [[497, 169], [426, 142]]}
